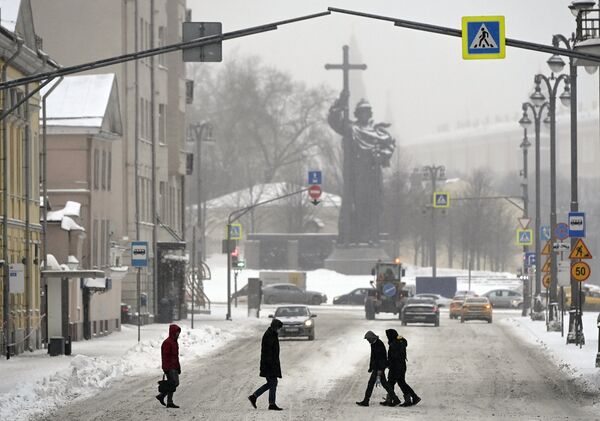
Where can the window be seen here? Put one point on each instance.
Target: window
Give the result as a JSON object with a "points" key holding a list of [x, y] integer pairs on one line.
{"points": [[96, 168], [142, 119], [102, 242], [103, 170], [109, 172], [162, 123], [161, 43], [94, 241]]}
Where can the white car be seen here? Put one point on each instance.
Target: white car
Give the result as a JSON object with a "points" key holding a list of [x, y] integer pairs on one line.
{"points": [[297, 321], [440, 300]]}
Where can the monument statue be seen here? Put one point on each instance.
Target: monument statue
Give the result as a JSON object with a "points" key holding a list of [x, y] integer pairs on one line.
{"points": [[367, 148]]}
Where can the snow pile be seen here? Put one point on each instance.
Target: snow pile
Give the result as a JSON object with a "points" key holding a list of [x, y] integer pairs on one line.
{"points": [[85, 375]]}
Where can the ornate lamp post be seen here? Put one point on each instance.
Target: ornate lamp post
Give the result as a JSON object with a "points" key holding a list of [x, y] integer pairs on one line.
{"points": [[525, 144], [433, 173], [537, 106], [551, 84]]}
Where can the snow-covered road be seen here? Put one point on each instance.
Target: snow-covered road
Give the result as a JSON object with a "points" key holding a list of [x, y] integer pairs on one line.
{"points": [[472, 371]]}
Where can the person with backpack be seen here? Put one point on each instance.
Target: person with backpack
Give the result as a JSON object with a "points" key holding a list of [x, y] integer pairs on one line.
{"points": [[377, 366], [270, 367], [169, 352], [396, 359]]}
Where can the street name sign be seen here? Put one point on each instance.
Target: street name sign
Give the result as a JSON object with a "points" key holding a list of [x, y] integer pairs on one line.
{"points": [[577, 224], [580, 251], [139, 254], [483, 37], [580, 271], [16, 278], [441, 199], [314, 177], [524, 237], [235, 231]]}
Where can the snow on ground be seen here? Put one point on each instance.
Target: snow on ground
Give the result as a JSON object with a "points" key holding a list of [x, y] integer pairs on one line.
{"points": [[333, 283], [95, 364], [577, 363]]}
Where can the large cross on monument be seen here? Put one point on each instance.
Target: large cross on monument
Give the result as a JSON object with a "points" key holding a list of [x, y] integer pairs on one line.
{"points": [[345, 67], [347, 214]]}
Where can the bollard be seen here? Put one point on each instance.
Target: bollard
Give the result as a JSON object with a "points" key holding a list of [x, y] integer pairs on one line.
{"points": [[598, 353]]}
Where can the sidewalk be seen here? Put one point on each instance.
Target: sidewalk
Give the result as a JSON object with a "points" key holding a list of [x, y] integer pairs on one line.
{"points": [[34, 382]]}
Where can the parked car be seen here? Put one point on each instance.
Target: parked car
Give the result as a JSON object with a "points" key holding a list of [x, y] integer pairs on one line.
{"points": [[440, 300], [420, 310], [504, 298], [456, 306], [476, 308], [356, 297], [297, 321], [290, 293], [466, 292]]}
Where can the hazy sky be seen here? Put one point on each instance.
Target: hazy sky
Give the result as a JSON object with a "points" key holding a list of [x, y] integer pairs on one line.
{"points": [[418, 79]]}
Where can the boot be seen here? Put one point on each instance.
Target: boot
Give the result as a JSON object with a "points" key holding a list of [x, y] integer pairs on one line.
{"points": [[407, 402], [171, 405], [395, 401], [274, 407], [386, 402], [416, 400], [252, 400], [161, 399], [364, 402]]}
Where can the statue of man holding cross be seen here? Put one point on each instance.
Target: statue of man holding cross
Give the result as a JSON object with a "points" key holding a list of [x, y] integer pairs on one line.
{"points": [[367, 148]]}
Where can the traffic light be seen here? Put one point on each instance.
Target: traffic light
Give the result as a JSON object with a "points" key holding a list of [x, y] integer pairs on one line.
{"points": [[235, 254]]}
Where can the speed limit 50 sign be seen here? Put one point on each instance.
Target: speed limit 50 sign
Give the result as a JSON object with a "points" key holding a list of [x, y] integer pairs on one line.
{"points": [[580, 271]]}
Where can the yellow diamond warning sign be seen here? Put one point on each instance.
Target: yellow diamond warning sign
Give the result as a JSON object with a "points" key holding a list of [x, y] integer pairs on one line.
{"points": [[580, 251]]}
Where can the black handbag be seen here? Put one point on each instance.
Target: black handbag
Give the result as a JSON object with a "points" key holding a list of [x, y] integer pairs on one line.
{"points": [[164, 385]]}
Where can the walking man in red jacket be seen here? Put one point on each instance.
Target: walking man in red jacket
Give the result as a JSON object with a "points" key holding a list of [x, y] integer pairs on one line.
{"points": [[169, 352]]}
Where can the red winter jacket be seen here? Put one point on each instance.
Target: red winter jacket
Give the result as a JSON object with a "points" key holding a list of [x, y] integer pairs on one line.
{"points": [[169, 350]]}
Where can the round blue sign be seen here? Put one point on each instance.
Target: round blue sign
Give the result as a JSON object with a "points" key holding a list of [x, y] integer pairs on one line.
{"points": [[389, 290], [561, 231]]}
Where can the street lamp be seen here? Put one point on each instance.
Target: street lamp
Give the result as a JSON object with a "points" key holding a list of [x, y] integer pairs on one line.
{"points": [[525, 144], [433, 173], [551, 84], [580, 6], [569, 98], [537, 112]]}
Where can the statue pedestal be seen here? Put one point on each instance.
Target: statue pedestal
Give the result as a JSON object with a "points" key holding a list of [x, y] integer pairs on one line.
{"points": [[355, 260]]}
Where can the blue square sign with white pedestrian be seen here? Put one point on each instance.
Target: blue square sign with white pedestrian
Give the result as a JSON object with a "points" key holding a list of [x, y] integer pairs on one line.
{"points": [[577, 224], [483, 37], [314, 177]]}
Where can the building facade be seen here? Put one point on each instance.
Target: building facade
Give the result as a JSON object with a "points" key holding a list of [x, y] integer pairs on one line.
{"points": [[21, 315], [152, 102]]}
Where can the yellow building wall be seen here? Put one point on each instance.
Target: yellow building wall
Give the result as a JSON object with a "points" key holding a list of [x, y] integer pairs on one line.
{"points": [[21, 320]]}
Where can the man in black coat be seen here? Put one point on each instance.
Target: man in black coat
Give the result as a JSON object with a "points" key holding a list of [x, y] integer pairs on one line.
{"points": [[270, 368], [377, 367], [397, 368]]}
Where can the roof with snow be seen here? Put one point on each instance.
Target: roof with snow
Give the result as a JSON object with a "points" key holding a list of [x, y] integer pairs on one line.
{"points": [[82, 103], [263, 192]]}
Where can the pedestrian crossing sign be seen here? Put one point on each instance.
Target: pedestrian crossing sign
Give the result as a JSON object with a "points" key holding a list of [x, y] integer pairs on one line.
{"points": [[524, 237], [483, 37], [441, 199], [235, 232]]}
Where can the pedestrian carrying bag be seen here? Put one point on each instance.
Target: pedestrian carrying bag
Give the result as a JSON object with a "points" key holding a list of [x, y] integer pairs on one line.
{"points": [[164, 385]]}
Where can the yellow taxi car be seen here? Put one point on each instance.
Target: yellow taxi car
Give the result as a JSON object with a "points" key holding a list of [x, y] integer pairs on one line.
{"points": [[456, 306], [476, 308]]}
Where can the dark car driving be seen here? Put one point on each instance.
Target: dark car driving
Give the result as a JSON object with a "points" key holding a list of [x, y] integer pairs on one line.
{"points": [[356, 297], [290, 293], [297, 321], [420, 310]]}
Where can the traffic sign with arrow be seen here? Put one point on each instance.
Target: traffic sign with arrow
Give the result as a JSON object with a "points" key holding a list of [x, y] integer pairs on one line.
{"points": [[314, 192]]}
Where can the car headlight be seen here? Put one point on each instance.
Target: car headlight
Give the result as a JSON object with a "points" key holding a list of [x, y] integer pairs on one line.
{"points": [[308, 323]]}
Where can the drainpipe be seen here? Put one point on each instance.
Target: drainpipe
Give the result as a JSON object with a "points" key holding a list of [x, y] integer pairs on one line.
{"points": [[6, 291], [153, 139], [44, 183]]}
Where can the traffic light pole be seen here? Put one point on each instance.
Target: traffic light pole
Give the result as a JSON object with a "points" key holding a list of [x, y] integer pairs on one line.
{"points": [[234, 216]]}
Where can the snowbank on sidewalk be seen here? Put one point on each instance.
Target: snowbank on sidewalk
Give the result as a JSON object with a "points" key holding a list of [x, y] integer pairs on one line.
{"points": [[577, 363], [85, 374]]}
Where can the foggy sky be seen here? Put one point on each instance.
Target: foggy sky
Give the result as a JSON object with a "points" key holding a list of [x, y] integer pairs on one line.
{"points": [[420, 77]]}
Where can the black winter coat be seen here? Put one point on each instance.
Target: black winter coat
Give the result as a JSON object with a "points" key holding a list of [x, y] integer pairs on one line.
{"points": [[269, 355], [378, 356], [397, 351]]}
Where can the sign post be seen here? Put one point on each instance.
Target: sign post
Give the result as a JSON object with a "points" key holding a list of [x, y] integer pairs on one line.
{"points": [[139, 260]]}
